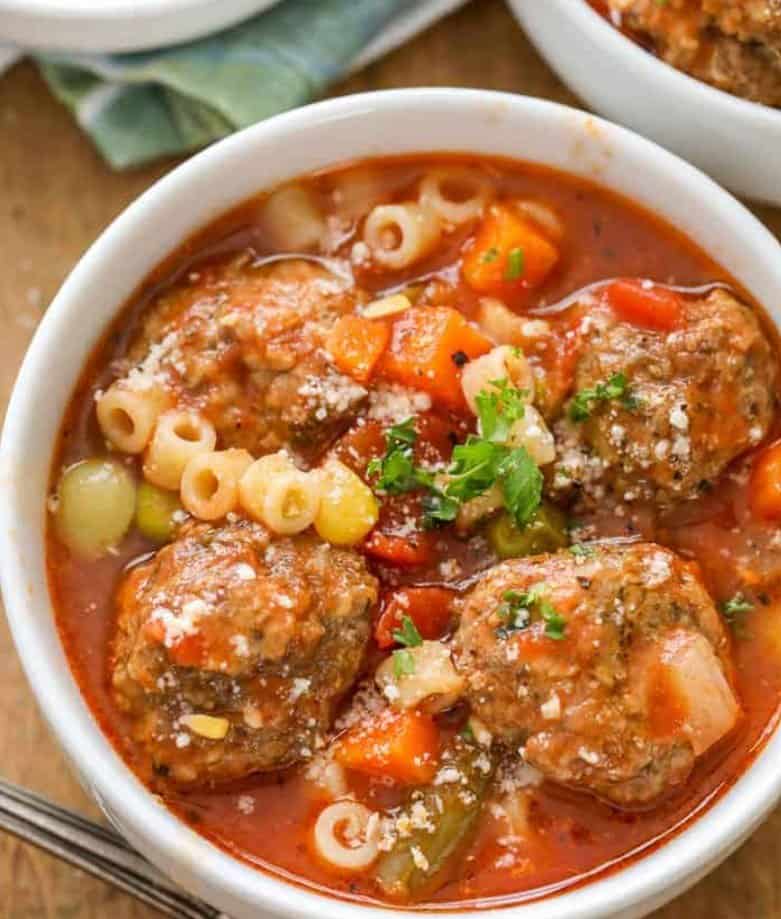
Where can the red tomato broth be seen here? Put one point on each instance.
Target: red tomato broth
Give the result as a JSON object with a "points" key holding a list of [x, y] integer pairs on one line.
{"points": [[574, 836]]}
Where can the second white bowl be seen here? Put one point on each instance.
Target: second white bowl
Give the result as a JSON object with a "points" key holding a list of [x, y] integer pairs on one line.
{"points": [[735, 141]]}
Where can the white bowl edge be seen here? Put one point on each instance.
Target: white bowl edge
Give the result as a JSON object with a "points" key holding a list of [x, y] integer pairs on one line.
{"points": [[406, 121], [734, 140]]}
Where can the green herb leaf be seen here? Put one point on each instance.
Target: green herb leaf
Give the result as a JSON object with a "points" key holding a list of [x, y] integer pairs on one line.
{"points": [[499, 408], [396, 471], [579, 550], [439, 509], [515, 265], [408, 635], [735, 609], [490, 255], [521, 482], [517, 608], [403, 663], [555, 623], [473, 468], [616, 387]]}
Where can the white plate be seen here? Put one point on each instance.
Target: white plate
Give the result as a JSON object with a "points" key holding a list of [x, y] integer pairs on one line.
{"points": [[735, 141], [117, 25]]}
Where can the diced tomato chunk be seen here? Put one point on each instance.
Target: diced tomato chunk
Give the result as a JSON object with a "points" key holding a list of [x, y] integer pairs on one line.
{"points": [[765, 484], [405, 551], [430, 608], [402, 746], [509, 255], [649, 307], [356, 344], [427, 349]]}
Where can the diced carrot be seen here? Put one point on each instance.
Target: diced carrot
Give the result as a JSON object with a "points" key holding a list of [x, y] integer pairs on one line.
{"points": [[427, 349], [428, 607], [402, 746], [650, 307], [407, 552], [509, 255], [356, 344], [765, 485]]}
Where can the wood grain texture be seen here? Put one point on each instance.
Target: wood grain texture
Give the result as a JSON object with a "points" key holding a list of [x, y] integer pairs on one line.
{"points": [[56, 196]]}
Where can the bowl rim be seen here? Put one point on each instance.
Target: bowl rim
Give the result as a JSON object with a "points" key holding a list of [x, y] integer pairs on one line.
{"points": [[643, 884], [612, 41]]}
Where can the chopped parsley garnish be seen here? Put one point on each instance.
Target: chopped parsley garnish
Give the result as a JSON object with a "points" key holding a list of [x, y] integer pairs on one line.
{"points": [[396, 471], [408, 635], [477, 465], [466, 733], [521, 482], [555, 623], [499, 408], [617, 387], [439, 509], [403, 663], [515, 265], [516, 612], [579, 550], [490, 255], [735, 609]]}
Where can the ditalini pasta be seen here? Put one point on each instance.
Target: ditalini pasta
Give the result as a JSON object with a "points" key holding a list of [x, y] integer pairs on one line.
{"points": [[210, 482], [178, 437], [398, 235], [127, 414], [455, 195], [398, 528]]}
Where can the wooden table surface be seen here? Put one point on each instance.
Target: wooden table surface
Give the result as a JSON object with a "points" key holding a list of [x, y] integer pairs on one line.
{"points": [[56, 196]]}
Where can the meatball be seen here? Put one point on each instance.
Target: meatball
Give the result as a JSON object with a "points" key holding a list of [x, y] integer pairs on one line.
{"points": [[608, 670], [735, 46], [243, 344], [696, 398], [262, 637]]}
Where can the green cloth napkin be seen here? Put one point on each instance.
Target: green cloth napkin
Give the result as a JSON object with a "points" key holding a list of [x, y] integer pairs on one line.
{"points": [[137, 107]]}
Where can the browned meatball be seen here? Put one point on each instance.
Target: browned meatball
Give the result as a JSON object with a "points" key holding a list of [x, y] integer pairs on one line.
{"points": [[732, 44], [696, 398], [608, 671], [244, 345], [263, 636]]}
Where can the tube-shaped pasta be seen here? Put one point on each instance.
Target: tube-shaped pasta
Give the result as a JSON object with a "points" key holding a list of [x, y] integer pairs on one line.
{"points": [[291, 502], [432, 680], [127, 414], [346, 835], [348, 509], [532, 433], [210, 483], [544, 216], [501, 363], [355, 191], [254, 483], [292, 220], [400, 234], [178, 437], [505, 327], [456, 195]]}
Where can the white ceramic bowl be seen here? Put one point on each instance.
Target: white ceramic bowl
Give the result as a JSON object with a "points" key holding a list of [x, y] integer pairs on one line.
{"points": [[311, 138], [117, 25], [735, 141]]}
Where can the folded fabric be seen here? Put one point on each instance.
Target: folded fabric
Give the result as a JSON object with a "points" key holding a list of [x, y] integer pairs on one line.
{"points": [[137, 107]]}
